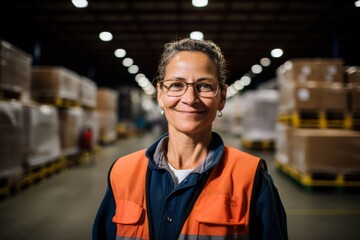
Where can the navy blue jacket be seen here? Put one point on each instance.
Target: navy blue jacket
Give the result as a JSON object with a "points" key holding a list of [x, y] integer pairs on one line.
{"points": [[170, 204]]}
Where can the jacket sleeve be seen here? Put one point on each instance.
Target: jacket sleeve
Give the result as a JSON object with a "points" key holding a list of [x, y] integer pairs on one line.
{"points": [[104, 228], [268, 216]]}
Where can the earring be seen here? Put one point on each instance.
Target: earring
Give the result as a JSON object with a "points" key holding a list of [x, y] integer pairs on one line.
{"points": [[219, 113], [162, 111]]}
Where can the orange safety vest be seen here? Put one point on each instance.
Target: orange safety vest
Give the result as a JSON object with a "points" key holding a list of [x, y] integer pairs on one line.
{"points": [[222, 209]]}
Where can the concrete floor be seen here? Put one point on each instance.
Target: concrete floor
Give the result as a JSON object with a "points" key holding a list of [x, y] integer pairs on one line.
{"points": [[64, 205]]}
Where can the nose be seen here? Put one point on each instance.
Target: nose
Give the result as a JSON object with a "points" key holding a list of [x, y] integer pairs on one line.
{"points": [[190, 94]]}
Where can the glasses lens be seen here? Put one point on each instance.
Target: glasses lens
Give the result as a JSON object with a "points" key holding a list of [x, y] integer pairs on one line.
{"points": [[174, 88]]}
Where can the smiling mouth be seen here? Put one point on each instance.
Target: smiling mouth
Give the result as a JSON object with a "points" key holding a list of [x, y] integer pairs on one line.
{"points": [[189, 112]]}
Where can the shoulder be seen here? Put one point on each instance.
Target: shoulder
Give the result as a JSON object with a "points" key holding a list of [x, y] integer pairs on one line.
{"points": [[235, 155], [129, 162]]}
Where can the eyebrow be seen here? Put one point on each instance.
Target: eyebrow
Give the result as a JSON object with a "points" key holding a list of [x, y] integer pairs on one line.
{"points": [[197, 80]]}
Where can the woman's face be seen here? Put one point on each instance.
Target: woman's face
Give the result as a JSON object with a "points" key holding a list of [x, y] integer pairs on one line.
{"points": [[190, 113]]}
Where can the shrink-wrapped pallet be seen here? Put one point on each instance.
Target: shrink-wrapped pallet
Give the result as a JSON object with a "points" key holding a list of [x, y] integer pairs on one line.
{"points": [[260, 115], [87, 94], [55, 82], [15, 68], [42, 140], [11, 140], [71, 126]]}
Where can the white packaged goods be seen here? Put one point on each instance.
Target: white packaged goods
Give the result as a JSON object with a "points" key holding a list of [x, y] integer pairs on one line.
{"points": [[11, 140], [260, 114], [55, 81], [42, 140]]}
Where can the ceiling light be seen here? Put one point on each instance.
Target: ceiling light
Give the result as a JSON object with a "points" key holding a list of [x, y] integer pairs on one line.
{"points": [[80, 3], [120, 53], [199, 3], [256, 69], [265, 62], [277, 52], [357, 3], [238, 85], [197, 35], [127, 62], [139, 76], [105, 36], [245, 80], [133, 69]]}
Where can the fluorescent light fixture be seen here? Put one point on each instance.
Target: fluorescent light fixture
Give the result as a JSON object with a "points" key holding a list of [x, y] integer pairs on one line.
{"points": [[127, 62], [199, 3], [357, 3], [105, 36], [238, 85], [277, 52], [256, 69], [120, 53], [139, 76], [265, 62], [197, 35], [80, 3]]}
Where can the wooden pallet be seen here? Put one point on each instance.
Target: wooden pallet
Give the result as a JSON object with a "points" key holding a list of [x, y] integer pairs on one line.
{"points": [[58, 101], [258, 144], [320, 179], [318, 119]]}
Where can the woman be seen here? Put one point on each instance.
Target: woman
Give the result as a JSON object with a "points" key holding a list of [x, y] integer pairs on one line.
{"points": [[188, 185]]}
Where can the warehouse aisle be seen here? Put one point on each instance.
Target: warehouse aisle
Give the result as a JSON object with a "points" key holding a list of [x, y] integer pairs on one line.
{"points": [[64, 205]]}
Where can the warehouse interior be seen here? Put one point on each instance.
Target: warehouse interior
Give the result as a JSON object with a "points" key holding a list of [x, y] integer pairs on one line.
{"points": [[293, 99]]}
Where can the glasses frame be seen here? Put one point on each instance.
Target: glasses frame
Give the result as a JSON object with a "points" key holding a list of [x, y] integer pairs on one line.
{"points": [[162, 85]]}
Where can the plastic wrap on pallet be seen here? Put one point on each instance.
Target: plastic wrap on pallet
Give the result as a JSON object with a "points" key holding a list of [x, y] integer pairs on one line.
{"points": [[282, 143], [42, 140], [352, 74], [108, 124], [71, 126], [107, 99], [15, 68], [55, 82], [333, 96], [325, 151], [11, 140], [260, 114], [88, 90]]}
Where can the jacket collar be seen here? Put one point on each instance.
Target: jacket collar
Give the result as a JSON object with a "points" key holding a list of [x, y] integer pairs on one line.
{"points": [[157, 151]]}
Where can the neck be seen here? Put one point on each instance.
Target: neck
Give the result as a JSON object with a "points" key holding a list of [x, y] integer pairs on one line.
{"points": [[187, 151]]}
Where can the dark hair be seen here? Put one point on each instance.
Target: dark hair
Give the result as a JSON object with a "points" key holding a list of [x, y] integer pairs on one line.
{"points": [[208, 47]]}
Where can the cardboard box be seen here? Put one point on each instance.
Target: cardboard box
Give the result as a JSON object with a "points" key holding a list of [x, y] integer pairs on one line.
{"points": [[352, 74], [305, 96], [107, 99], [333, 96], [55, 81], [15, 68], [325, 151], [354, 96]]}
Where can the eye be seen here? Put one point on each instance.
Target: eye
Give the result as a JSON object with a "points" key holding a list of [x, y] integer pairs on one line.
{"points": [[205, 87], [176, 86]]}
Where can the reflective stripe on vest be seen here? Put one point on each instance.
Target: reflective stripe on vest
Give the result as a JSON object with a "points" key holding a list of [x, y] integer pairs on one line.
{"points": [[222, 210]]}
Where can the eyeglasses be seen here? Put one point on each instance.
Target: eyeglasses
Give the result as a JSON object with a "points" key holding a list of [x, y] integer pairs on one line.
{"points": [[176, 88]]}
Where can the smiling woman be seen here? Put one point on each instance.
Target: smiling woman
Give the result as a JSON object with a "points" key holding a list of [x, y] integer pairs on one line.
{"points": [[188, 184]]}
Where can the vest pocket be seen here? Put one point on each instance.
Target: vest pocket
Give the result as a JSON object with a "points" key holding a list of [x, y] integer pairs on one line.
{"points": [[220, 215], [129, 218]]}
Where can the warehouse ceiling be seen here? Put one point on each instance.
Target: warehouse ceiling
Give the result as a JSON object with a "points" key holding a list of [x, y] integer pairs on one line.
{"points": [[56, 33]]}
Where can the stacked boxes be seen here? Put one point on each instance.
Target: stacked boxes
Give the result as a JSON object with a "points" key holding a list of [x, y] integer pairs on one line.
{"points": [[317, 86], [107, 104], [15, 68], [54, 81]]}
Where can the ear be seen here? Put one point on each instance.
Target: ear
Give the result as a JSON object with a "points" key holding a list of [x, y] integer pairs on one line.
{"points": [[159, 94], [222, 98]]}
